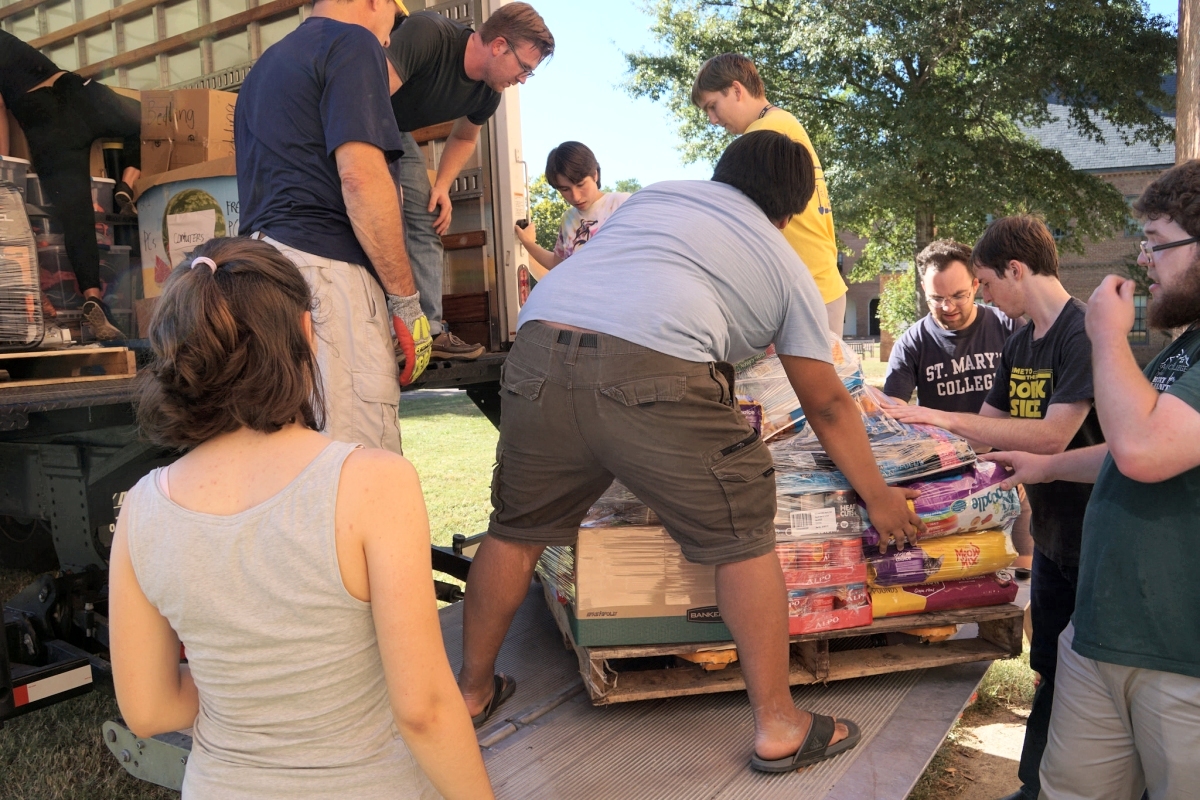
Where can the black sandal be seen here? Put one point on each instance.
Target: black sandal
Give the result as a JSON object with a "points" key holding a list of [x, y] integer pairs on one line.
{"points": [[502, 689], [814, 748]]}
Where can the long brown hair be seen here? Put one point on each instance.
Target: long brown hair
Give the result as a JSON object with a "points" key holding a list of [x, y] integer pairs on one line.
{"points": [[229, 347]]}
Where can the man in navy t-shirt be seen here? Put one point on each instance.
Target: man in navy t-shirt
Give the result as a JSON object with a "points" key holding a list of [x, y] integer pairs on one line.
{"points": [[950, 355], [315, 135]]}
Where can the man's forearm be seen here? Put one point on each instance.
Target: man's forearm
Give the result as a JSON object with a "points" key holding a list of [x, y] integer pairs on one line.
{"points": [[1078, 466], [374, 210], [1003, 433]]}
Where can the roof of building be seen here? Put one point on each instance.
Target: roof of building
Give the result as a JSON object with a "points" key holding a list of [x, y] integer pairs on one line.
{"points": [[1090, 155]]}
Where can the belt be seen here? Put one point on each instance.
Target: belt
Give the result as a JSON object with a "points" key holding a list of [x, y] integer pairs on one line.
{"points": [[585, 339]]}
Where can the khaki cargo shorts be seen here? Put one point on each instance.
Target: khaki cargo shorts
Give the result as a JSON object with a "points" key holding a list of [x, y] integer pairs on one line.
{"points": [[578, 409]]}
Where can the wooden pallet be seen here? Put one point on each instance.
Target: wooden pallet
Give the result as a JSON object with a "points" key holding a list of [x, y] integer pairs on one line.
{"points": [[74, 365], [642, 672]]}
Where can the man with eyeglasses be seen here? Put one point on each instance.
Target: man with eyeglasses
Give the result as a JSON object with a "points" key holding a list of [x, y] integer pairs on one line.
{"points": [[1040, 402], [950, 355], [442, 71], [1127, 710]]}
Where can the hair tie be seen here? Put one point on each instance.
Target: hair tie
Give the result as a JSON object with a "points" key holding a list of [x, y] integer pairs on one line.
{"points": [[204, 260]]}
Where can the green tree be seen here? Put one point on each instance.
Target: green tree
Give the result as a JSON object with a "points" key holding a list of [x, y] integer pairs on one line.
{"points": [[546, 207], [919, 109]]}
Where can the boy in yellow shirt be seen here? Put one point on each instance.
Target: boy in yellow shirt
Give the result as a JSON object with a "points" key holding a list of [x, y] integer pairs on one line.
{"points": [[730, 91]]}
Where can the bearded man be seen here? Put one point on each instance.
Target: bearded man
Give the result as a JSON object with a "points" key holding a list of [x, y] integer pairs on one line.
{"points": [[1127, 701]]}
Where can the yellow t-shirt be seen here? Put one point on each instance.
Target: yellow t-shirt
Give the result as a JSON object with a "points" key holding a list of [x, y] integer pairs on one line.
{"points": [[810, 233]]}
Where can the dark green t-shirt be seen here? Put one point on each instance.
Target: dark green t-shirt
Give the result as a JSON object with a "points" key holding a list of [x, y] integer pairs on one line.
{"points": [[1139, 571]]}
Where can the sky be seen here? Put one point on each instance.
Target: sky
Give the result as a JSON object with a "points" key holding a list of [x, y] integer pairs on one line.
{"points": [[578, 94]]}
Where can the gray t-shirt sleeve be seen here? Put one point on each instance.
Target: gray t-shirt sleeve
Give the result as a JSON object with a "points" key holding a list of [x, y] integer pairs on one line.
{"points": [[805, 329]]}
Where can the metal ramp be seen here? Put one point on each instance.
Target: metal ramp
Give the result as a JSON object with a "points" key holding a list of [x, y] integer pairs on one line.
{"points": [[550, 742]]}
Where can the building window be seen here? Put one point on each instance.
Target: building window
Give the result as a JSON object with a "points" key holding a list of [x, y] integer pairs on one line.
{"points": [[1140, 335], [1133, 225], [873, 312]]}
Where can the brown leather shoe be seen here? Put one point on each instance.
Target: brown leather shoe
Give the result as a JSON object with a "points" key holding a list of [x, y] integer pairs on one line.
{"points": [[447, 346]]}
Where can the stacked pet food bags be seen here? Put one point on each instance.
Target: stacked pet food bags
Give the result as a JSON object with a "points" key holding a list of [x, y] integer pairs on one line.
{"points": [[961, 560], [958, 563]]}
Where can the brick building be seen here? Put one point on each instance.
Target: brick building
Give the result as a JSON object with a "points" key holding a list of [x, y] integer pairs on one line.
{"points": [[1129, 168]]}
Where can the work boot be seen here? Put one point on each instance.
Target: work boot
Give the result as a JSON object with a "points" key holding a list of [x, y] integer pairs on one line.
{"points": [[123, 199], [449, 347], [98, 319]]}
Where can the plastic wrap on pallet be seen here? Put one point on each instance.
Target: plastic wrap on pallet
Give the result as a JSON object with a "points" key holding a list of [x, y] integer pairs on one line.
{"points": [[903, 453], [986, 590], [762, 382], [950, 558], [962, 503], [557, 568], [21, 323], [618, 506]]}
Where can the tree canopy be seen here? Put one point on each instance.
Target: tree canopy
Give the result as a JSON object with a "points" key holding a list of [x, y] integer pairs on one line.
{"points": [[919, 109]]}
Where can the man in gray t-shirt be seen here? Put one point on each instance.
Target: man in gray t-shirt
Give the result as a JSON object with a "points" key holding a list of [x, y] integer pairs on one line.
{"points": [[619, 370]]}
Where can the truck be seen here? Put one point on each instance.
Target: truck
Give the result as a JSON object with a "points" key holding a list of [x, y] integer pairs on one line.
{"points": [[69, 450]]}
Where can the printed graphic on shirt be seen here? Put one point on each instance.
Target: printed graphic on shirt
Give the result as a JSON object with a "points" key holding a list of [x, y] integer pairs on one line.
{"points": [[1170, 370], [1028, 391], [970, 373]]}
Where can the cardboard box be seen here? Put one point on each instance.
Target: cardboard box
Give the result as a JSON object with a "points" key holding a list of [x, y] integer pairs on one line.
{"points": [[181, 209], [632, 585], [185, 127], [203, 126]]}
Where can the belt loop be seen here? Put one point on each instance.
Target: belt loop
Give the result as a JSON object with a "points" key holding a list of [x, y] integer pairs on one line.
{"points": [[573, 349]]}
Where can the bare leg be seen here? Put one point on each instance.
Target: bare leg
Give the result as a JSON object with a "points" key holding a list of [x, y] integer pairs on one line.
{"points": [[753, 602], [130, 175], [499, 581]]}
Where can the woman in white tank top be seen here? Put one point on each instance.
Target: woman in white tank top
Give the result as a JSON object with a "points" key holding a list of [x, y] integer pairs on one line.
{"points": [[295, 570]]}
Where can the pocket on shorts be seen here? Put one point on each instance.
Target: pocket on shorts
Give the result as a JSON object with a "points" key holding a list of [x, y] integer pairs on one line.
{"points": [[376, 387], [520, 380], [745, 471], [642, 391]]}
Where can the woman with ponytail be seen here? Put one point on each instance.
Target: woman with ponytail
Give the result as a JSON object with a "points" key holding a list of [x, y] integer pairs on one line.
{"points": [[294, 570]]}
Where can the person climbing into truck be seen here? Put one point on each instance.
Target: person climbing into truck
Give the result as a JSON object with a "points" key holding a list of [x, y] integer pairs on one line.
{"points": [[730, 91], [444, 71], [61, 114], [293, 568], [572, 169], [621, 369]]}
